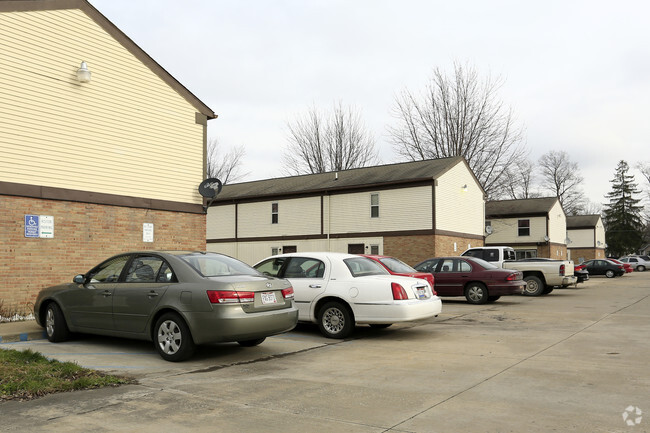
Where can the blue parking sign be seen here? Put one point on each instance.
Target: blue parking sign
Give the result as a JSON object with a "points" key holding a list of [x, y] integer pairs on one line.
{"points": [[31, 226]]}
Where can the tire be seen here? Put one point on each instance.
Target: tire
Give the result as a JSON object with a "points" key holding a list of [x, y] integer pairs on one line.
{"points": [[55, 326], [380, 325], [493, 298], [335, 320], [172, 338], [534, 286], [640, 268], [251, 343], [476, 293], [547, 290], [609, 273]]}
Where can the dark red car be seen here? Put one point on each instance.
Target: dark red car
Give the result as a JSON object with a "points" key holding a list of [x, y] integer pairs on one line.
{"points": [[474, 278], [398, 267]]}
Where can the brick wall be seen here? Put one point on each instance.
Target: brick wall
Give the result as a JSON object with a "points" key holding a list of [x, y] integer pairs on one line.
{"points": [[414, 249], [581, 254], [552, 251], [84, 235]]}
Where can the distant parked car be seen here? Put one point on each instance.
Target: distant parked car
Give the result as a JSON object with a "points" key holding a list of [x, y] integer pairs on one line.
{"points": [[628, 267], [581, 272], [637, 262], [604, 267], [337, 291], [176, 299], [479, 281], [397, 267]]}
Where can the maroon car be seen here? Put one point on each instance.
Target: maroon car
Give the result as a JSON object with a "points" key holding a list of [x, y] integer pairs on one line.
{"points": [[398, 267], [474, 278]]}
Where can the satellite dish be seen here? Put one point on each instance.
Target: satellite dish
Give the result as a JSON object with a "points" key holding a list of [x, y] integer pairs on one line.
{"points": [[546, 238], [488, 230], [210, 188]]}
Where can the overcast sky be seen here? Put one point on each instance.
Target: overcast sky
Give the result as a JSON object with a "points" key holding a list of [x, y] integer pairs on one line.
{"points": [[577, 73]]}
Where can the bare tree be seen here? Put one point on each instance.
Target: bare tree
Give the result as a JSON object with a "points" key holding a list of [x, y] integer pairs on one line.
{"points": [[225, 166], [319, 142], [521, 180], [562, 178], [644, 168], [460, 116]]}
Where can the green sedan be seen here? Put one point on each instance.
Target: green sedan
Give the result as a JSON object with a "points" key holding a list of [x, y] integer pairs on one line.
{"points": [[176, 299]]}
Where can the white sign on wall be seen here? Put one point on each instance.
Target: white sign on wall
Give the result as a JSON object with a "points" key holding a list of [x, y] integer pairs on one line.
{"points": [[147, 232], [46, 226]]}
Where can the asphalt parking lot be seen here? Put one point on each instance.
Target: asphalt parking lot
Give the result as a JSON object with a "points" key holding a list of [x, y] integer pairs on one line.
{"points": [[575, 360]]}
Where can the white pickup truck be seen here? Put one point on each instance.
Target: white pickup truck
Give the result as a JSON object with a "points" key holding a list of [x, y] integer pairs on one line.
{"points": [[541, 275]]}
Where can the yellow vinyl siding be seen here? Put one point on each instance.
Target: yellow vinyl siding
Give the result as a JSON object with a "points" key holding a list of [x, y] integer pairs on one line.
{"points": [[295, 217], [220, 222], [583, 238], [557, 224], [457, 210], [399, 209], [126, 132], [506, 230]]}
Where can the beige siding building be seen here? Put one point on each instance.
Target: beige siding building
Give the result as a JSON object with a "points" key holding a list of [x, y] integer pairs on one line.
{"points": [[412, 210], [586, 235], [99, 158], [534, 227]]}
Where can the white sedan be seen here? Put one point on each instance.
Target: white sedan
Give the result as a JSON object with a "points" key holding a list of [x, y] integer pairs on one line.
{"points": [[337, 291]]}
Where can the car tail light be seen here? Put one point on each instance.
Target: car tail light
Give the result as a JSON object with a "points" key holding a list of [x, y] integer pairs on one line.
{"points": [[513, 277], [562, 269], [399, 293], [287, 293], [230, 296]]}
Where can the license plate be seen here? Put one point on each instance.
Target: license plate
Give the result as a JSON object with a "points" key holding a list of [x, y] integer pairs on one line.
{"points": [[269, 298], [422, 293]]}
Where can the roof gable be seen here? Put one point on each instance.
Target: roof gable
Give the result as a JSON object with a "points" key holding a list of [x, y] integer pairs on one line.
{"points": [[117, 34], [582, 221], [520, 207], [358, 178]]}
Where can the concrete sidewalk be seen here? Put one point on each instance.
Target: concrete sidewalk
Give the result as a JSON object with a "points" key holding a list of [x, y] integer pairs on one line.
{"points": [[21, 331]]}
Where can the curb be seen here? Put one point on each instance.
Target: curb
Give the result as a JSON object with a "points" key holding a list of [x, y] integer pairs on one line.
{"points": [[17, 335]]}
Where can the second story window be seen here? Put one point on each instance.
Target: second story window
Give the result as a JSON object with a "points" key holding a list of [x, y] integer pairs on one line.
{"points": [[524, 227], [274, 213], [374, 205]]}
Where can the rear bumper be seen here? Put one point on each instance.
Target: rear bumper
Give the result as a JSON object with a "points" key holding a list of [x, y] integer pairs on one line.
{"points": [[397, 311], [231, 323], [516, 288], [568, 280]]}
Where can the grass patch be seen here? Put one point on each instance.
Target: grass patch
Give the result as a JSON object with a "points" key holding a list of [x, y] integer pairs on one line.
{"points": [[26, 375]]}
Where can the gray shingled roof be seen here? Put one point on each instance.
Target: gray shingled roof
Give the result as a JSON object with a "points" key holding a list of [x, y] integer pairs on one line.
{"points": [[581, 221], [528, 206], [347, 179]]}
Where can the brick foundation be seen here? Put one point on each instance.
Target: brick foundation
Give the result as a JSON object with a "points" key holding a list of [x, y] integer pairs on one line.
{"points": [[414, 249], [581, 254], [84, 235]]}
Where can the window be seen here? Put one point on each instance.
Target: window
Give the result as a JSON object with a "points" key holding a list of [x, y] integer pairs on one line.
{"points": [[464, 266], [302, 267], [109, 271], [374, 249], [524, 227], [274, 213], [275, 251], [362, 266], [525, 254], [374, 205], [356, 249], [271, 267], [491, 255], [145, 269]]}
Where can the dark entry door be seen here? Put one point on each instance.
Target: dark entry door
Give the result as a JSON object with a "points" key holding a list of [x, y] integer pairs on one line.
{"points": [[356, 249]]}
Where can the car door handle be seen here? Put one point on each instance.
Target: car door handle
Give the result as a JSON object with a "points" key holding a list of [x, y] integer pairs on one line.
{"points": [[315, 286], [152, 294], [107, 293]]}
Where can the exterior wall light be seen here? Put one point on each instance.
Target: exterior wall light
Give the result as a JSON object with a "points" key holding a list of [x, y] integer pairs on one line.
{"points": [[83, 74], [464, 188]]}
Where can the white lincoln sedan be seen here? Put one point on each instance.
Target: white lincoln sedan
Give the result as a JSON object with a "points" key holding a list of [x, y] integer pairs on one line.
{"points": [[337, 291]]}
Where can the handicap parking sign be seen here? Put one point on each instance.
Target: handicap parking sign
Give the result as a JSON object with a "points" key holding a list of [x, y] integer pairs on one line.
{"points": [[31, 226]]}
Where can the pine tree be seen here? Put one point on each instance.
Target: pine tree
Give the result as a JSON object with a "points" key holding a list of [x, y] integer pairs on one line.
{"points": [[622, 216]]}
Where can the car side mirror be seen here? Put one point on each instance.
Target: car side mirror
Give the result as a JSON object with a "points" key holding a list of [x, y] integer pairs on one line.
{"points": [[79, 279]]}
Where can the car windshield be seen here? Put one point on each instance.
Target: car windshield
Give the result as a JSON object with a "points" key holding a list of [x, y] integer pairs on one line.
{"points": [[217, 265], [484, 264], [362, 266], [396, 265]]}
